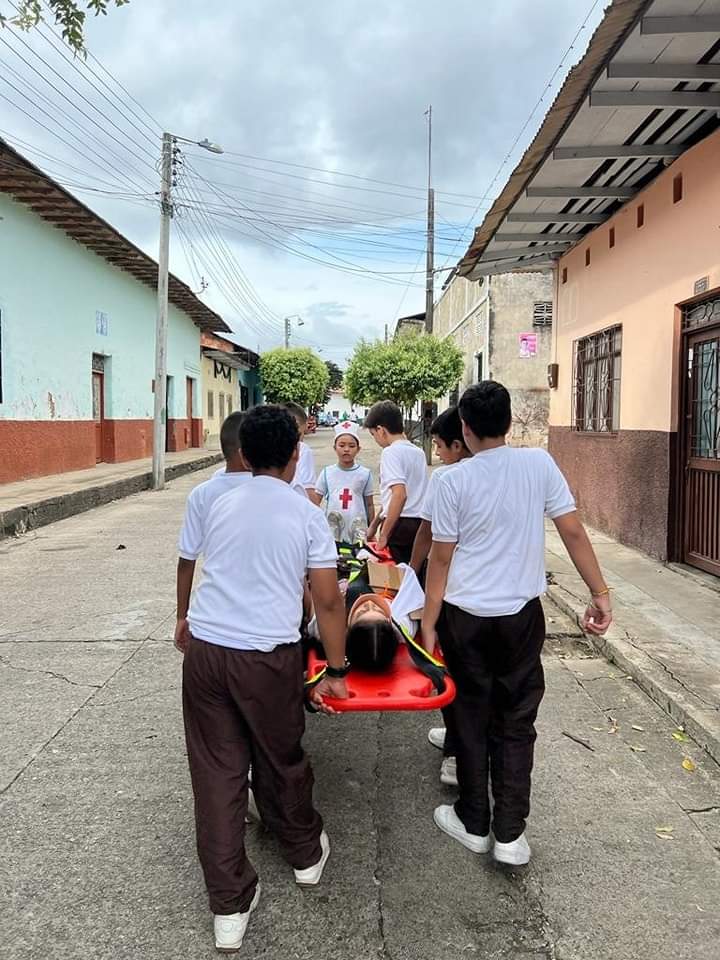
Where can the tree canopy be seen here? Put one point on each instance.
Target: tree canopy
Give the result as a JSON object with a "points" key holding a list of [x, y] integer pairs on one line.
{"points": [[69, 16], [335, 380], [408, 369], [296, 375]]}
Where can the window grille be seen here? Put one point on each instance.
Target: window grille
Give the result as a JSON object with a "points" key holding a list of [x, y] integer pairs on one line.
{"points": [[542, 313], [596, 381]]}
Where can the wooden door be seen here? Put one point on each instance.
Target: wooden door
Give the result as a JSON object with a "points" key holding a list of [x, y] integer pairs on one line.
{"points": [[98, 404], [189, 395], [701, 534]]}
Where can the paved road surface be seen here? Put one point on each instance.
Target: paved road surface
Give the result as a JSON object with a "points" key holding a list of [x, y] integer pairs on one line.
{"points": [[97, 857]]}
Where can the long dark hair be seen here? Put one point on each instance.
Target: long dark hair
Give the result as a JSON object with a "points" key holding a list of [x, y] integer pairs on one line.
{"points": [[371, 645]]}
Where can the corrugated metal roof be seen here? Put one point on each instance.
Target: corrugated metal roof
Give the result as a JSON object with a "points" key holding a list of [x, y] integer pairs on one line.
{"points": [[28, 184], [644, 92]]}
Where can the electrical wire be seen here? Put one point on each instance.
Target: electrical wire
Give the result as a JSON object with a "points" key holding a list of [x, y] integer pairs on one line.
{"points": [[524, 127]]}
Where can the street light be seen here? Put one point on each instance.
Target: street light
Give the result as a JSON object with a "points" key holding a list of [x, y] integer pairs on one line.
{"points": [[161, 326], [301, 323]]}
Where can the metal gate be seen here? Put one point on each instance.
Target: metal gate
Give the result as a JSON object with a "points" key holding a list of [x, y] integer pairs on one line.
{"points": [[701, 441]]}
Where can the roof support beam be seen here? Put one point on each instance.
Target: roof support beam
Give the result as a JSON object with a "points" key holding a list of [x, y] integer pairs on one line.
{"points": [[664, 71], [651, 150], [538, 237], [506, 266], [655, 98], [554, 216], [569, 193], [513, 253], [653, 26]]}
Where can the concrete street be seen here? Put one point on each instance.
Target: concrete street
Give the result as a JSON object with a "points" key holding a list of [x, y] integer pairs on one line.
{"points": [[97, 855]]}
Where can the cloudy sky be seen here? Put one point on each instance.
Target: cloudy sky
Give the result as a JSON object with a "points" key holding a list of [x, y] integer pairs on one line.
{"points": [[316, 207]]}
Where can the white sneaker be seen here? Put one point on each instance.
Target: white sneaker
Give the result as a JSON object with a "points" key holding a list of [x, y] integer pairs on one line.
{"points": [[311, 876], [230, 928], [448, 772], [449, 822], [517, 853], [253, 814], [436, 736]]}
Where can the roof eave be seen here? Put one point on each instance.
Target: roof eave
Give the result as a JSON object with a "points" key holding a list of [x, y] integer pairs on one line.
{"points": [[617, 23]]}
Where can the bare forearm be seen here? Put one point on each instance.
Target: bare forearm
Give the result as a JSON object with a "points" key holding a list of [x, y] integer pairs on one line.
{"points": [[395, 508], [577, 543], [435, 584], [421, 547], [185, 574], [370, 508], [331, 626]]}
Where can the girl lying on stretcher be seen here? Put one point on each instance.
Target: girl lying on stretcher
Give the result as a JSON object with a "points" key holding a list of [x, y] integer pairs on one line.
{"points": [[375, 624]]}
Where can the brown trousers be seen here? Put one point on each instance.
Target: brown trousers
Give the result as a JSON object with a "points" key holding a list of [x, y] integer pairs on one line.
{"points": [[242, 707], [495, 663]]}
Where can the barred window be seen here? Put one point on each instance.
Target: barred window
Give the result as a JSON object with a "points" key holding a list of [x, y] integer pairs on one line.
{"points": [[211, 405], [221, 405], [542, 313], [596, 381]]}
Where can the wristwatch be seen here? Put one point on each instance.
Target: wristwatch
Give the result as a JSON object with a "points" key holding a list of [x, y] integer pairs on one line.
{"points": [[338, 673]]}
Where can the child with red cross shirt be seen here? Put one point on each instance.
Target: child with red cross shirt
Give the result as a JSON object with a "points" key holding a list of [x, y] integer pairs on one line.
{"points": [[347, 488]]}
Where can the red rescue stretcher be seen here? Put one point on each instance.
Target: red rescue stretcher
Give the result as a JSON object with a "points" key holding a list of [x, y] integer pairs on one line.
{"points": [[415, 680], [403, 686]]}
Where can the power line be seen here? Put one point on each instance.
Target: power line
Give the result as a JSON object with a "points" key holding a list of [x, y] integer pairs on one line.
{"points": [[80, 95], [526, 124], [340, 186], [338, 173]]}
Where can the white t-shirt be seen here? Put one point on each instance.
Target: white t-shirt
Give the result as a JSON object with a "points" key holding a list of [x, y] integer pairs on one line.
{"points": [[305, 470], [493, 506], [259, 542], [403, 462], [344, 492], [198, 505], [426, 511], [409, 598]]}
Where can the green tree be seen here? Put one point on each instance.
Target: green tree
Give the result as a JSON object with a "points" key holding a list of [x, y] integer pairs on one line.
{"points": [[411, 368], [335, 381], [68, 16], [296, 375]]}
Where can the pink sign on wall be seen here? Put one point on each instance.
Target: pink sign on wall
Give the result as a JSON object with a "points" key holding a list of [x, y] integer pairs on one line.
{"points": [[528, 345]]}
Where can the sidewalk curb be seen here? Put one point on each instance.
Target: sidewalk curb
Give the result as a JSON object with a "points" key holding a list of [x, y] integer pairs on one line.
{"points": [[21, 520], [700, 721]]}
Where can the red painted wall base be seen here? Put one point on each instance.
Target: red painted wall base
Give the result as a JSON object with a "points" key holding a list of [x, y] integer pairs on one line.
{"points": [[36, 448], [183, 434], [127, 440]]}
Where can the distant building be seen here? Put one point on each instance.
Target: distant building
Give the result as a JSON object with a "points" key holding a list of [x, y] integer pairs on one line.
{"points": [[339, 406], [78, 305], [230, 381], [620, 192], [503, 326]]}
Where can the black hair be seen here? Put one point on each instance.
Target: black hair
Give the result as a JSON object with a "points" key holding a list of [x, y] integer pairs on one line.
{"points": [[386, 414], [297, 411], [371, 645], [485, 408], [230, 434], [268, 437], [448, 426]]}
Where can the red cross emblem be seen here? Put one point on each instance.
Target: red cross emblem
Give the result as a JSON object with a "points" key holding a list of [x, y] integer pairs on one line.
{"points": [[345, 498]]}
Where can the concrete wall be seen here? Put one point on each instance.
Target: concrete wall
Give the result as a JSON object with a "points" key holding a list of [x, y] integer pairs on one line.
{"points": [[512, 300], [52, 293], [215, 381], [485, 319], [622, 480]]}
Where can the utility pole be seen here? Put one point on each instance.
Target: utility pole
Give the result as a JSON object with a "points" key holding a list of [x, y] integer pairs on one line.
{"points": [[430, 264], [287, 333], [161, 326], [386, 333], [167, 162]]}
